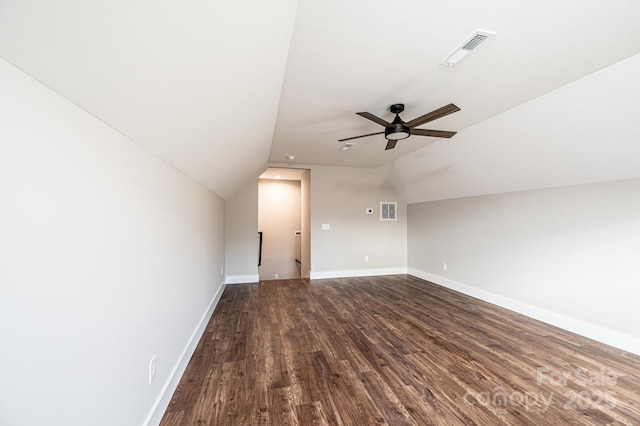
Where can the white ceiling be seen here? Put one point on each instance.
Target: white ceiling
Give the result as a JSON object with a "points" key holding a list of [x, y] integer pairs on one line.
{"points": [[282, 173], [221, 89]]}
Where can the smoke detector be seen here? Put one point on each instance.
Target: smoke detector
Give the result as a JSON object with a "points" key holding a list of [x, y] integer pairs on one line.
{"points": [[473, 41], [347, 146]]}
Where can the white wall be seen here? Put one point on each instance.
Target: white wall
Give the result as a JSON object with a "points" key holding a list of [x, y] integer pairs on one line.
{"points": [[340, 197], [242, 234], [279, 217], [568, 256], [305, 239], [108, 256]]}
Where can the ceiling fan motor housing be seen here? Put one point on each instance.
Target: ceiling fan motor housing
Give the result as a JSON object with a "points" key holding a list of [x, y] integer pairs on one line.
{"points": [[396, 108], [399, 130]]}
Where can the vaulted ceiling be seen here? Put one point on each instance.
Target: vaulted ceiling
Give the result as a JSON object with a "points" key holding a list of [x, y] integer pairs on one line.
{"points": [[221, 89]]}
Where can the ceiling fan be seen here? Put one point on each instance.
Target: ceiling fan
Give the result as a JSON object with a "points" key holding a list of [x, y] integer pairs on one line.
{"points": [[398, 129]]}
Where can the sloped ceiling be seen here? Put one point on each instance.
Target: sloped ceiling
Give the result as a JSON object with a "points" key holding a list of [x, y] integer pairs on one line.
{"points": [[195, 82], [584, 132], [221, 89]]}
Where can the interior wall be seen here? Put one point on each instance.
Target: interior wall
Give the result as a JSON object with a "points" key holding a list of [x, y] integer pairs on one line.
{"points": [[279, 217], [305, 246], [339, 198], [567, 253], [109, 256], [242, 235]]}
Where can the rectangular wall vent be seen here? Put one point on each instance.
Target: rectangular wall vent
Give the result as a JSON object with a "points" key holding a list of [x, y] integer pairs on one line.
{"points": [[388, 211], [466, 47]]}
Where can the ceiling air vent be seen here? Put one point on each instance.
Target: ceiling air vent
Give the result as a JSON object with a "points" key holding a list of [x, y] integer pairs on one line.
{"points": [[474, 42], [467, 46]]}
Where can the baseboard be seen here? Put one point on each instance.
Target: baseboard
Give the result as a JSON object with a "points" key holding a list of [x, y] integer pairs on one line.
{"points": [[162, 402], [242, 279], [592, 331], [357, 273]]}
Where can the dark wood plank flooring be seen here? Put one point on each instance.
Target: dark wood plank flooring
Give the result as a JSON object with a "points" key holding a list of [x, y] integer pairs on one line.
{"points": [[394, 350]]}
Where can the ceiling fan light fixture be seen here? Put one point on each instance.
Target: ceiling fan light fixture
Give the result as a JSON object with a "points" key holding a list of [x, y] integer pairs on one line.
{"points": [[397, 132]]}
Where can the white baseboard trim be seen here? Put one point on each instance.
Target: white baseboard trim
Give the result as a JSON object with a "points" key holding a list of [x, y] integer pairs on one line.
{"points": [[164, 398], [242, 279], [357, 273], [592, 331]]}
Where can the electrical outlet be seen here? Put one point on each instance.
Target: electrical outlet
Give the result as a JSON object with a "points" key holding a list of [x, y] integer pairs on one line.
{"points": [[366, 258], [152, 369], [222, 270], [276, 276], [444, 266]]}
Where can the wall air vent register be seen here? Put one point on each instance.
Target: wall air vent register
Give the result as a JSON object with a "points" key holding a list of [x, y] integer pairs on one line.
{"points": [[388, 211]]}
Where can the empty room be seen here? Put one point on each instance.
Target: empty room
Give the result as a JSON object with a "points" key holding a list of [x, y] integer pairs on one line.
{"points": [[333, 213]]}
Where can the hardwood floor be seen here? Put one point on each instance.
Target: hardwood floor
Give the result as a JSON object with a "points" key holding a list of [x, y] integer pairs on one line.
{"points": [[394, 350]]}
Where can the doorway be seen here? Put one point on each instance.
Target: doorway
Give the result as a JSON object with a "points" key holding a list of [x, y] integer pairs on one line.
{"points": [[284, 223]]}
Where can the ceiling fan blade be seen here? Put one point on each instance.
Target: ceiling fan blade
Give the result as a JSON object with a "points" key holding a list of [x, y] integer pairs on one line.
{"points": [[375, 119], [361, 136], [433, 133], [433, 115], [391, 144]]}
